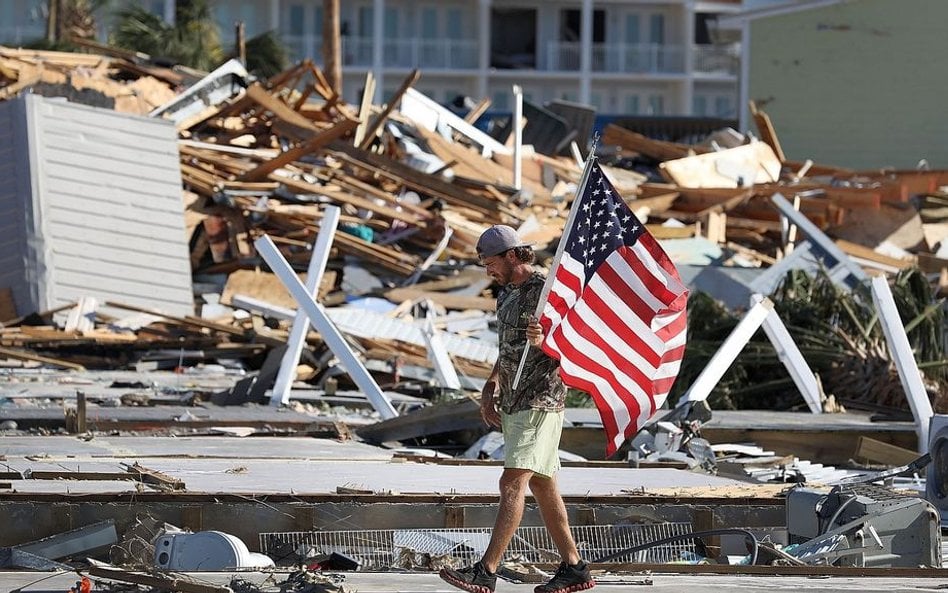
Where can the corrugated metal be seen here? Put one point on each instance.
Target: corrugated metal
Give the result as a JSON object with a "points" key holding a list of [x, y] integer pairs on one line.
{"points": [[367, 324], [15, 175], [112, 222]]}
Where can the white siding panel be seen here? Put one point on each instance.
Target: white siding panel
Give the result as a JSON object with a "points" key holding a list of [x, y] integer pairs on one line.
{"points": [[97, 243], [13, 223], [149, 194], [113, 219], [69, 213]]}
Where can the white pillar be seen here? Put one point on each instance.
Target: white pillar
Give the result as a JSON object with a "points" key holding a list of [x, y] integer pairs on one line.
{"points": [[585, 52], [483, 48], [687, 93], [321, 322], [744, 81], [518, 137], [169, 11], [314, 274], [900, 351], [378, 48], [721, 361]]}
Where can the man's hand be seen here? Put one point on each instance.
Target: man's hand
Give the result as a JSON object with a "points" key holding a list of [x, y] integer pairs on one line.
{"points": [[534, 332], [489, 412]]}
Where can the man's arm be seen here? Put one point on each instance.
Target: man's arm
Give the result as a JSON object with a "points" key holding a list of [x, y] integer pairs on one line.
{"points": [[489, 412]]}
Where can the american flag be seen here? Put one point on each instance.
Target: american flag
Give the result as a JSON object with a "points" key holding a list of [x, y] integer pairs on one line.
{"points": [[615, 315]]}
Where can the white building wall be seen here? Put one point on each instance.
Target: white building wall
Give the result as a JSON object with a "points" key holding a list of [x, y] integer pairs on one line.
{"points": [[108, 213], [14, 196]]}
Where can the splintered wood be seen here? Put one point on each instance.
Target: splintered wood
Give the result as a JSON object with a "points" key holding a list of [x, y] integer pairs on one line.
{"points": [[413, 194]]}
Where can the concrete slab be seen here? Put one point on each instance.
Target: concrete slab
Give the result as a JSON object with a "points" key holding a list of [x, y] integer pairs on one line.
{"points": [[65, 447], [321, 476], [366, 582]]}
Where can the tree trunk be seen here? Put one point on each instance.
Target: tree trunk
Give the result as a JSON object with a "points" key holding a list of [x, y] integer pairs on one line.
{"points": [[52, 21], [332, 50]]}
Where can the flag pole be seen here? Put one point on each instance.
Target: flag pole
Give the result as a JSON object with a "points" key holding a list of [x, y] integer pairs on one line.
{"points": [[559, 251]]}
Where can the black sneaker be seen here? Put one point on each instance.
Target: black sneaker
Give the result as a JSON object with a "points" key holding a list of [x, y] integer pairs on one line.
{"points": [[475, 578], [568, 578]]}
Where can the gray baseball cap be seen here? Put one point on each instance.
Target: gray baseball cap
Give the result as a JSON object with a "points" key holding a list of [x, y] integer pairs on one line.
{"points": [[498, 239]]}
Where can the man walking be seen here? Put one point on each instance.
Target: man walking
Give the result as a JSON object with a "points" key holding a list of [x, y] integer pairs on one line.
{"points": [[531, 418]]}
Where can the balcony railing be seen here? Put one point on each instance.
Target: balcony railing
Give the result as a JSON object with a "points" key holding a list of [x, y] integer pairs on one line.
{"points": [[618, 57], [714, 59], [448, 54], [462, 54]]}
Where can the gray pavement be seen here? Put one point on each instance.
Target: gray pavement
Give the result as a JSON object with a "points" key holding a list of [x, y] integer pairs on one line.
{"points": [[363, 582]]}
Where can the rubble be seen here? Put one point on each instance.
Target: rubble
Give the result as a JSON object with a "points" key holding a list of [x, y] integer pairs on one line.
{"points": [[405, 316]]}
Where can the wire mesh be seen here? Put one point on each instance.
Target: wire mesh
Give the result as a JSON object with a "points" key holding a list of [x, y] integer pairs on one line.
{"points": [[385, 548]]}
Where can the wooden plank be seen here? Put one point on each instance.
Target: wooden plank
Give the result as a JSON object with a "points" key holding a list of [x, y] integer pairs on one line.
{"points": [[345, 197], [267, 287], [365, 107], [7, 306], [767, 132], [379, 120], [308, 147], [30, 357], [872, 450], [829, 446], [742, 166], [866, 253], [460, 415], [657, 149], [154, 477], [414, 179], [470, 164], [189, 321]]}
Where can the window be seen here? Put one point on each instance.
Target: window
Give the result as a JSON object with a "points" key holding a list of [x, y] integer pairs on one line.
{"points": [[656, 105], [632, 105], [571, 25], [723, 106], [703, 24], [366, 21], [513, 38], [656, 29], [429, 23], [391, 23], [455, 19], [699, 105], [596, 100], [633, 27], [500, 101], [318, 21]]}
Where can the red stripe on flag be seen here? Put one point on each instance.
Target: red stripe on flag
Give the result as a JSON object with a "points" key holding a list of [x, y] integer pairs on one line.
{"points": [[678, 326], [569, 280], [659, 255], [608, 315], [579, 325], [569, 351], [656, 287]]}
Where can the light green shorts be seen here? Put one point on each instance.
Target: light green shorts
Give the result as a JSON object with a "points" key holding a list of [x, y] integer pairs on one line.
{"points": [[532, 440]]}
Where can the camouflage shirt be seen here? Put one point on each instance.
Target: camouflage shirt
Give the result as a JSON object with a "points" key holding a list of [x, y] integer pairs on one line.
{"points": [[540, 385]]}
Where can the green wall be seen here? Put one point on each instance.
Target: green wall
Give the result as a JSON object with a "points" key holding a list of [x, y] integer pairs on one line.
{"points": [[861, 84]]}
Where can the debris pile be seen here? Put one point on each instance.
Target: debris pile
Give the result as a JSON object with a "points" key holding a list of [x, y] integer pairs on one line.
{"points": [[120, 83], [416, 184]]}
